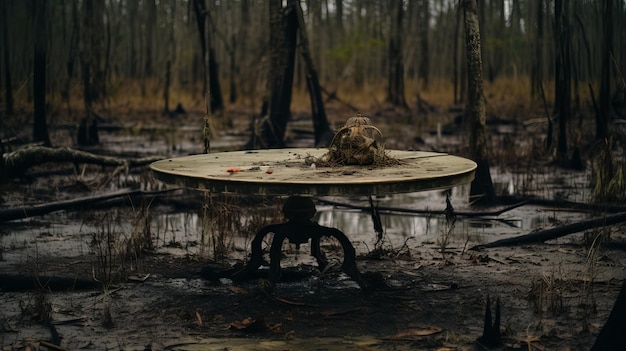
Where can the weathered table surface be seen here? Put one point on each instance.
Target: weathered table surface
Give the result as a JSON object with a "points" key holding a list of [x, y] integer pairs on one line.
{"points": [[285, 172]]}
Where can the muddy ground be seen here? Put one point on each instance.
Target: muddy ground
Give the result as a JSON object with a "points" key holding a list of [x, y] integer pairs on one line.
{"points": [[92, 295]]}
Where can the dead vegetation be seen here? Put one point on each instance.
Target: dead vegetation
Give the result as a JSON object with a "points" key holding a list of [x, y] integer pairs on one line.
{"points": [[358, 142]]}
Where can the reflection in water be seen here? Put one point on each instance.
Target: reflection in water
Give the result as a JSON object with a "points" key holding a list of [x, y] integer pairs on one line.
{"points": [[181, 233], [398, 227]]}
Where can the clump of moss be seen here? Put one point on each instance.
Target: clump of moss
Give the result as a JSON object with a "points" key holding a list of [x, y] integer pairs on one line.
{"points": [[358, 142]]}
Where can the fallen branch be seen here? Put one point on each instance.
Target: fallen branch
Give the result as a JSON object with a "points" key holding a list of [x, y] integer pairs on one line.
{"points": [[11, 214], [333, 96], [20, 160], [51, 346], [426, 211], [564, 203], [554, 233]]}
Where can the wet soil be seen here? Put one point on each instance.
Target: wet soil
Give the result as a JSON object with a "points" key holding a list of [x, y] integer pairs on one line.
{"points": [[66, 281], [428, 303]]}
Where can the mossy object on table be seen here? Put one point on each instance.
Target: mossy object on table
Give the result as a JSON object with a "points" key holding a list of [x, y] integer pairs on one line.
{"points": [[358, 142]]}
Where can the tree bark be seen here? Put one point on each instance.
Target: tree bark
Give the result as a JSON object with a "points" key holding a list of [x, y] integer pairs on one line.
{"points": [[151, 20], [215, 89], [73, 49], [211, 83], [40, 126], [395, 89], [423, 25], [482, 184], [166, 90], [282, 48], [536, 72], [323, 134], [455, 59], [8, 86], [602, 117], [562, 80], [199, 8]]}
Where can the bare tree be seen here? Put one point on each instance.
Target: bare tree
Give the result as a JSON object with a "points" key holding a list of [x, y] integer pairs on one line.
{"points": [[458, 83], [215, 89], [602, 115], [209, 65], [536, 73], [423, 26], [40, 127], [395, 88], [323, 134], [563, 76], [73, 50], [8, 86], [475, 110], [269, 131]]}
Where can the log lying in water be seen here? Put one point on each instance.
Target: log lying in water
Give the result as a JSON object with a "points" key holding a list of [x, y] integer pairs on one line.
{"points": [[17, 162], [554, 233], [11, 214]]}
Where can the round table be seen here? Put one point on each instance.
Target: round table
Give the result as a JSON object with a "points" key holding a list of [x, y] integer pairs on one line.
{"points": [[293, 172]]}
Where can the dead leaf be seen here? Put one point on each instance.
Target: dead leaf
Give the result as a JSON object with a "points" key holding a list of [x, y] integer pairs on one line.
{"points": [[198, 318], [249, 324]]}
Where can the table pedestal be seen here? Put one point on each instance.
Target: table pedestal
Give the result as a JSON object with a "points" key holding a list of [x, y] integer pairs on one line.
{"points": [[299, 229]]}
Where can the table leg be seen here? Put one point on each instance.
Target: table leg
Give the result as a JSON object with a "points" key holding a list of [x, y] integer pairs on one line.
{"points": [[256, 257], [316, 251], [299, 228]]}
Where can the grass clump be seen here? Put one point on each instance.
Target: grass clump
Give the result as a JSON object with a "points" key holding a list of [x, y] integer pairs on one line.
{"points": [[609, 173]]}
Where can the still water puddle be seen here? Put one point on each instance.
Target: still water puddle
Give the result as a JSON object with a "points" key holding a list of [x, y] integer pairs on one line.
{"points": [[181, 233]]}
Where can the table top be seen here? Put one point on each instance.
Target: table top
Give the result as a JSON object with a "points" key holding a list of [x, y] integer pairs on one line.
{"points": [[285, 172]]}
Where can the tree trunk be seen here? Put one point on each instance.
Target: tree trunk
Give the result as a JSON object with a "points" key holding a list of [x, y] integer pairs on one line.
{"points": [[602, 115], [395, 90], [323, 134], [612, 336], [232, 97], [562, 91], [40, 127], [282, 48], [166, 90], [8, 86], [455, 58], [475, 110], [73, 49], [215, 90], [151, 21], [423, 25], [199, 8], [132, 16], [536, 73]]}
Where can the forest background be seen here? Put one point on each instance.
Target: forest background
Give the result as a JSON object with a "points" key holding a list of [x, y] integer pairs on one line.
{"points": [[129, 58], [554, 63]]}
